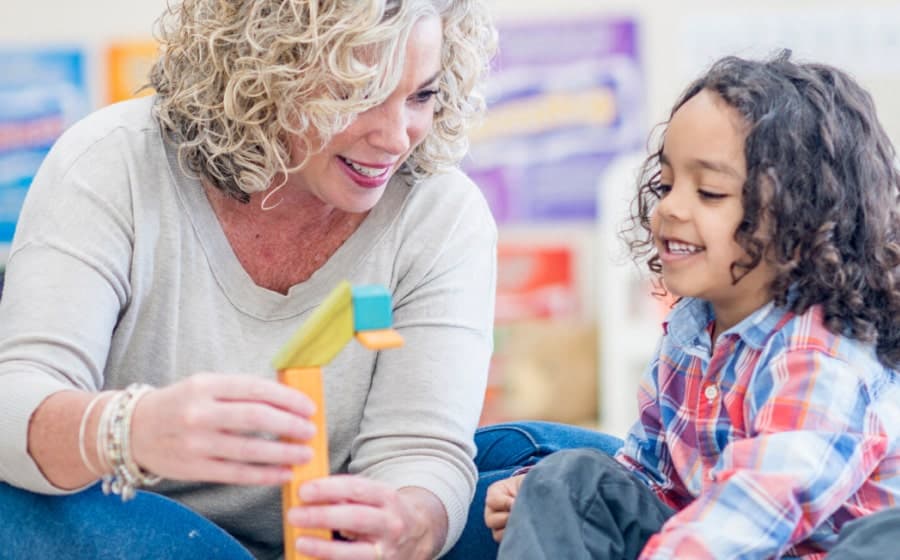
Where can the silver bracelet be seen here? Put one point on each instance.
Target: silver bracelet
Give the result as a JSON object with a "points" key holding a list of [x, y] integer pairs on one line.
{"points": [[114, 439], [143, 478], [85, 418]]}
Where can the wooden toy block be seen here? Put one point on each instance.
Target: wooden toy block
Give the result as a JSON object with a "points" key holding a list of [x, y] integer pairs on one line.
{"points": [[299, 362], [380, 340], [323, 335], [310, 382], [371, 308]]}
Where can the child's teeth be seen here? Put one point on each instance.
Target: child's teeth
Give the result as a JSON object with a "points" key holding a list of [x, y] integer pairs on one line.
{"points": [[676, 247]]}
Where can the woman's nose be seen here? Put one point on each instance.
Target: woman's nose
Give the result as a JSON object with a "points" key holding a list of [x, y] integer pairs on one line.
{"points": [[390, 129]]}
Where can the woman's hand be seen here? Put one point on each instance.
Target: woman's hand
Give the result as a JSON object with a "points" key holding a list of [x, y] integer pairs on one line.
{"points": [[499, 502], [380, 523], [210, 427]]}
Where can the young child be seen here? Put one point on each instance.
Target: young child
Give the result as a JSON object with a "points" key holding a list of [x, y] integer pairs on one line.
{"points": [[769, 418]]}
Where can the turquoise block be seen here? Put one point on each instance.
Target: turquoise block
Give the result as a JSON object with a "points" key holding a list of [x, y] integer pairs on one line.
{"points": [[371, 308]]}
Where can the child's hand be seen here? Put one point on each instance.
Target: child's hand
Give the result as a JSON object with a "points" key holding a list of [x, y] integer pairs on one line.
{"points": [[499, 502]]}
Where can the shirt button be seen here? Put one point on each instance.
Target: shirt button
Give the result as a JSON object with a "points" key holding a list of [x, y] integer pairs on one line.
{"points": [[710, 392]]}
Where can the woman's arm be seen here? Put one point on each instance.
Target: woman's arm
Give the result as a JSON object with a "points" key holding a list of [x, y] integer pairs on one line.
{"points": [[53, 438], [68, 282]]}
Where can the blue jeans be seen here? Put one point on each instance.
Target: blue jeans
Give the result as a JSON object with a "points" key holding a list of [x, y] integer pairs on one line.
{"points": [[504, 448], [89, 525]]}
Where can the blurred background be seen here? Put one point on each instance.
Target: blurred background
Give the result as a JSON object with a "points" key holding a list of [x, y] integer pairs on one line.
{"points": [[577, 88]]}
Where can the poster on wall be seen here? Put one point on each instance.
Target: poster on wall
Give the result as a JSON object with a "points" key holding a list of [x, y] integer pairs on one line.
{"points": [[558, 112], [128, 64], [42, 91], [540, 338]]}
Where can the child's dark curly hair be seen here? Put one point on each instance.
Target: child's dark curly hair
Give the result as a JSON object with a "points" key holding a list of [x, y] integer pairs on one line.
{"points": [[824, 172]]}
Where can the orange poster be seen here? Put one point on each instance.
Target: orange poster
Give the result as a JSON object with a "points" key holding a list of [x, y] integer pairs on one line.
{"points": [[128, 64]]}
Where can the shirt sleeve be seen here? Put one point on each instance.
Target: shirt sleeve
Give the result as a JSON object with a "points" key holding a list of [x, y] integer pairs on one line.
{"points": [[815, 440], [66, 282]]}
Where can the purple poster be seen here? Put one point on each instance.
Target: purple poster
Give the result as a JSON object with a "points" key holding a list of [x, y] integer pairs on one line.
{"points": [[564, 99]]}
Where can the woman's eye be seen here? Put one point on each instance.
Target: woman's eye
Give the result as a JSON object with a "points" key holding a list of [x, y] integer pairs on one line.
{"points": [[425, 96]]}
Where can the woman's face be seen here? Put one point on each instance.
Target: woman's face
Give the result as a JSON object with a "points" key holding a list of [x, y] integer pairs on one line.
{"points": [[351, 171]]}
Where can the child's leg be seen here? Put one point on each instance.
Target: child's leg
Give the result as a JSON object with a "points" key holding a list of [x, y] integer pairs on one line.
{"points": [[89, 525], [504, 448], [581, 504], [873, 537], [518, 444]]}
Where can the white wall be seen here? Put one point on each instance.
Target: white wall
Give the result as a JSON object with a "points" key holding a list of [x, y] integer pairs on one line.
{"points": [[668, 43], [861, 36], [53, 21]]}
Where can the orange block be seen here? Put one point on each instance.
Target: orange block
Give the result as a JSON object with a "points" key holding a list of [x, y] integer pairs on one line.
{"points": [[310, 382], [380, 340]]}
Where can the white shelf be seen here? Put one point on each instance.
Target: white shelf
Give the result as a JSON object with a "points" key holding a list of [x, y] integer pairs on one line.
{"points": [[628, 316]]}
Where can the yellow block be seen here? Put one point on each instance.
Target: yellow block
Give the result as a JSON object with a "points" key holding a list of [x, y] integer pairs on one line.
{"points": [[323, 335]]}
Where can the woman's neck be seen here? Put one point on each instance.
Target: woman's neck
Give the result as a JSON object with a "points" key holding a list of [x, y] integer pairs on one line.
{"points": [[282, 245]]}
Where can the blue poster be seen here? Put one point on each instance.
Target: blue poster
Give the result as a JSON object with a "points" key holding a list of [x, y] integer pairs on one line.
{"points": [[42, 91]]}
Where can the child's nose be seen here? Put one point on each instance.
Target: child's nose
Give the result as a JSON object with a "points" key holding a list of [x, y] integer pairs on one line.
{"points": [[674, 205]]}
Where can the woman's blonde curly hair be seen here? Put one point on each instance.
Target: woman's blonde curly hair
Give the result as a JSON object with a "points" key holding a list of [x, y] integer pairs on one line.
{"points": [[238, 79]]}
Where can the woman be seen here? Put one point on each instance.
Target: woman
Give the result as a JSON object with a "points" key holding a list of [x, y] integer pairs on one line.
{"points": [[179, 240]]}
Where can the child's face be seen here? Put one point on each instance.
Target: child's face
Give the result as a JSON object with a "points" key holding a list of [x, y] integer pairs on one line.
{"points": [[701, 183]]}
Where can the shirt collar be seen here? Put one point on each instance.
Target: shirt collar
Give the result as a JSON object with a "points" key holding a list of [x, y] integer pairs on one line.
{"points": [[686, 324]]}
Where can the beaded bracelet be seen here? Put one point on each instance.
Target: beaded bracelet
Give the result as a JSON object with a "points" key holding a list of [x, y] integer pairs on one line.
{"points": [[123, 475]]}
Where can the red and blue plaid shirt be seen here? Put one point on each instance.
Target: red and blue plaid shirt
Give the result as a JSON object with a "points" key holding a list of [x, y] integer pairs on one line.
{"points": [[770, 442]]}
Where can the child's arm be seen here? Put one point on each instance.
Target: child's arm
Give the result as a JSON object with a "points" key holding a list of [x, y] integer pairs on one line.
{"points": [[815, 440]]}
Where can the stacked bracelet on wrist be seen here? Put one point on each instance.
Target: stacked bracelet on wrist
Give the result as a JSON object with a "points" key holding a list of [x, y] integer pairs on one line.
{"points": [[122, 475]]}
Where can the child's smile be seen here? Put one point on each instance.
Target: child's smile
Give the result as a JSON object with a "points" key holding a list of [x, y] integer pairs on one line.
{"points": [[677, 250]]}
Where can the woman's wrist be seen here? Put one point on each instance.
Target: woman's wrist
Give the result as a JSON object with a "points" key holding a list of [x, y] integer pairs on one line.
{"points": [[429, 521], [90, 424], [114, 444]]}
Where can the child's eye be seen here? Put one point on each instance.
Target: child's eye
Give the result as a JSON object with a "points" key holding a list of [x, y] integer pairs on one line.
{"points": [[708, 195], [660, 190], [424, 96]]}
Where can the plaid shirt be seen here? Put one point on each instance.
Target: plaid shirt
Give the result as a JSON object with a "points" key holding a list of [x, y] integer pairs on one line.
{"points": [[767, 444]]}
